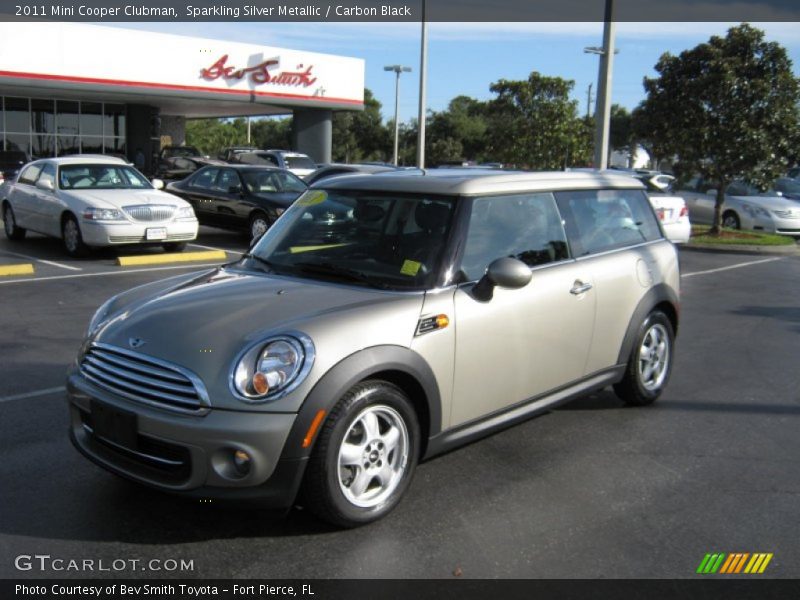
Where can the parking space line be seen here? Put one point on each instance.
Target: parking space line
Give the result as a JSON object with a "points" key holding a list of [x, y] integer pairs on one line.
{"points": [[45, 262], [156, 259], [45, 392], [18, 269], [214, 248], [106, 273], [736, 266]]}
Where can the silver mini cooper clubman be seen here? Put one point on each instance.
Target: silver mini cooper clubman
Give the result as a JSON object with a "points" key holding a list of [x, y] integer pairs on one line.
{"points": [[382, 320]]}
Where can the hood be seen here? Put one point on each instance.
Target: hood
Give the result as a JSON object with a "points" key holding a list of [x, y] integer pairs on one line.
{"points": [[120, 198], [203, 322], [768, 202], [282, 199]]}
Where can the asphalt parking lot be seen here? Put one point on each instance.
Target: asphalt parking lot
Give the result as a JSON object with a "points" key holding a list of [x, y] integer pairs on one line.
{"points": [[592, 490]]}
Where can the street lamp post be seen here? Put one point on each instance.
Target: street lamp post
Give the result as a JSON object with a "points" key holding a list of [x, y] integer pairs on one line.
{"points": [[603, 104], [397, 69]]}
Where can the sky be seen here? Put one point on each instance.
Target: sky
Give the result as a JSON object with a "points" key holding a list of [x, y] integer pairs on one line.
{"points": [[465, 58]]}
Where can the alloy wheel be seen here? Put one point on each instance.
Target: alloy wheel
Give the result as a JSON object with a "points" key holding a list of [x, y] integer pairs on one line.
{"points": [[654, 356]]}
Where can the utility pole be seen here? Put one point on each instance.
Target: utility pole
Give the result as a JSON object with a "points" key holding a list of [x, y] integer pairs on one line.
{"points": [[397, 69], [589, 101], [423, 76]]}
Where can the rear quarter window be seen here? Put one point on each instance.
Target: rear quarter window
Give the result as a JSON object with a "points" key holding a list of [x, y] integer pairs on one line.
{"points": [[602, 220]]}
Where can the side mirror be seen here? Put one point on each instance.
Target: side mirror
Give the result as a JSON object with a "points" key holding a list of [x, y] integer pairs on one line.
{"points": [[510, 273], [45, 184], [158, 184]]}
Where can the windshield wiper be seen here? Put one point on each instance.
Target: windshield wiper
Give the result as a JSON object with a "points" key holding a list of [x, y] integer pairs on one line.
{"points": [[328, 268]]}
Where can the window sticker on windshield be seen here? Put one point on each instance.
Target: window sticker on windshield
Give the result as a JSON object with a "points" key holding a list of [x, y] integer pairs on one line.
{"points": [[410, 268], [313, 197], [299, 249]]}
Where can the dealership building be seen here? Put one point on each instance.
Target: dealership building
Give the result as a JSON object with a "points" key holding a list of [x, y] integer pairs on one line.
{"points": [[68, 88]]}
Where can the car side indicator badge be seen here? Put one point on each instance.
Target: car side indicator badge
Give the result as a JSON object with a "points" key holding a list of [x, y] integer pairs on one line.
{"points": [[428, 324], [136, 342]]}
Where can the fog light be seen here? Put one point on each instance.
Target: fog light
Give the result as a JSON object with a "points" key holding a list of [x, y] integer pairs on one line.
{"points": [[242, 461]]}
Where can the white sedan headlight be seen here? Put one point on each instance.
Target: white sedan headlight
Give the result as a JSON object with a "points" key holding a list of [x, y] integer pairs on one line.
{"points": [[185, 212], [272, 367], [103, 214]]}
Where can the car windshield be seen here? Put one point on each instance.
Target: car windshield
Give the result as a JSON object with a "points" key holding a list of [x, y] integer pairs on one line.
{"points": [[384, 240], [101, 177], [788, 186], [271, 181], [182, 151], [299, 162]]}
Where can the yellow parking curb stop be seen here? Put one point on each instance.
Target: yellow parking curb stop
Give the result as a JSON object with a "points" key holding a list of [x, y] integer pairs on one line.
{"points": [[157, 259], [21, 269]]}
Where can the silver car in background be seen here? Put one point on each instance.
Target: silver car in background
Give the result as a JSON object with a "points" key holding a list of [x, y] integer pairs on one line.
{"points": [[745, 207], [382, 320], [93, 201]]}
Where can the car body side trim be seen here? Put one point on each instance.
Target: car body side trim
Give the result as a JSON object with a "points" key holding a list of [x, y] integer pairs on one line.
{"points": [[516, 413]]}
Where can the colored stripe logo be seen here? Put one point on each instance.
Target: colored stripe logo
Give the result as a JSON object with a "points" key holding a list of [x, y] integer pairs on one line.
{"points": [[734, 563]]}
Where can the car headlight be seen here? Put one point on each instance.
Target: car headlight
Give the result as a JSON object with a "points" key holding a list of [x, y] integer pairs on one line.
{"points": [[103, 214], [755, 211], [185, 212], [99, 316], [272, 368]]}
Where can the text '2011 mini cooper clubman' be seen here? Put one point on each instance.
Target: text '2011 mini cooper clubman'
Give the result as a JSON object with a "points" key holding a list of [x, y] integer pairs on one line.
{"points": [[380, 321]]}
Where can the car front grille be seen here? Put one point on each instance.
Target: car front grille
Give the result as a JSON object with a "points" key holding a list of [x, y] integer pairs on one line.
{"points": [[787, 214], [150, 212], [144, 379], [140, 239]]}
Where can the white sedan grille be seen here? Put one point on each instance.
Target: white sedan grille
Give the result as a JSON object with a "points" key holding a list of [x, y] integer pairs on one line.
{"points": [[150, 212]]}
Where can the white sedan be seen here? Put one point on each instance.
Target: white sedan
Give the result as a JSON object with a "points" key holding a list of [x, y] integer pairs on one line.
{"points": [[94, 201]]}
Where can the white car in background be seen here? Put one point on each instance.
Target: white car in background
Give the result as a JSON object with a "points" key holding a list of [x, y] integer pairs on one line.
{"points": [[94, 201], [670, 208], [294, 162], [744, 207]]}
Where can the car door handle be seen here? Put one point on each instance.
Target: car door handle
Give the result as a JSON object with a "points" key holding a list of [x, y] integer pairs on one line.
{"points": [[579, 287]]}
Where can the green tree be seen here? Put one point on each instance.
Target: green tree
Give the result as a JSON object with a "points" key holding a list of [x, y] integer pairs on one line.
{"points": [[361, 135], [727, 108], [534, 123], [620, 127], [212, 135]]}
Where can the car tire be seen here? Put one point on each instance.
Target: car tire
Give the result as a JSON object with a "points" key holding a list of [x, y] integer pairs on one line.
{"points": [[730, 220], [257, 225], [174, 246], [72, 237], [650, 362], [13, 232], [365, 456]]}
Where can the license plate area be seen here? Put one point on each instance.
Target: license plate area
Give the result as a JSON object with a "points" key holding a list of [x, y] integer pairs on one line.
{"points": [[114, 425], [156, 233]]}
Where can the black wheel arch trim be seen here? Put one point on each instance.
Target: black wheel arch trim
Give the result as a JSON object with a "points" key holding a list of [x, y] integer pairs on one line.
{"points": [[357, 367], [658, 294]]}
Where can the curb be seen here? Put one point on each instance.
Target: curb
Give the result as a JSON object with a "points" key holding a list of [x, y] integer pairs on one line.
{"points": [[788, 250], [18, 269], [174, 257]]}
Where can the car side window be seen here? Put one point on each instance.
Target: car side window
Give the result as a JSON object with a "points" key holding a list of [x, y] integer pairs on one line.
{"points": [[30, 174], [227, 179], [523, 226], [204, 179], [48, 174], [602, 220], [271, 159]]}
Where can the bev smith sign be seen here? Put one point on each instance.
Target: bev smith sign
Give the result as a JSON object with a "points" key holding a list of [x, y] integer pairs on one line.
{"points": [[264, 72], [76, 55]]}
